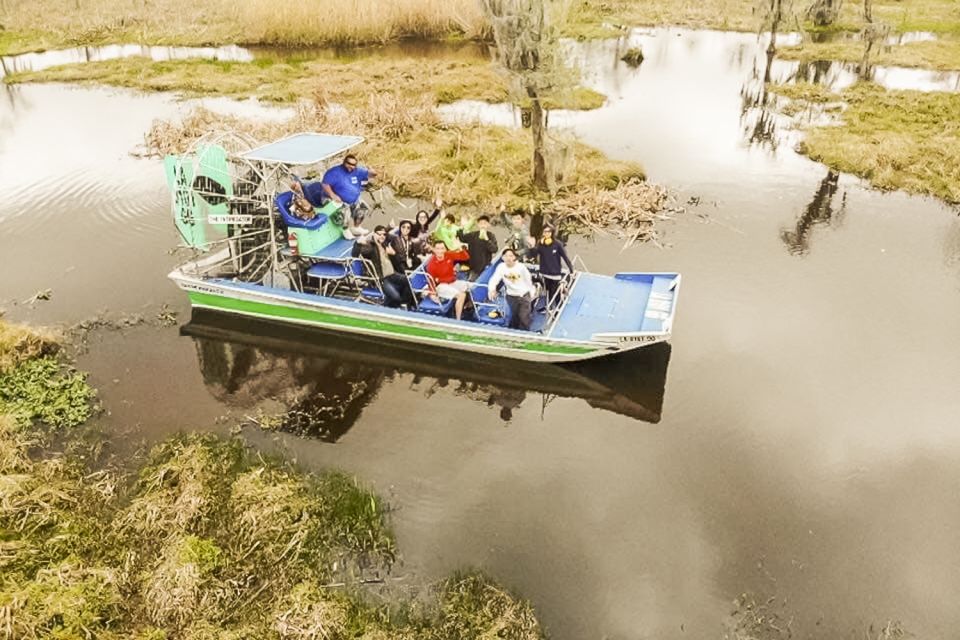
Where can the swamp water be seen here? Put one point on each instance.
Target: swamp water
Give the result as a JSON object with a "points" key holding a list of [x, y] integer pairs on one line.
{"points": [[799, 441]]}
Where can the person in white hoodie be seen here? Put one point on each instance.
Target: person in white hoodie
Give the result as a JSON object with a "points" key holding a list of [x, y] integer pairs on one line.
{"points": [[520, 289]]}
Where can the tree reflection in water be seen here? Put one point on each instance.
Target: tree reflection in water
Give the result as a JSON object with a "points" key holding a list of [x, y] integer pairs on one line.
{"points": [[757, 107], [819, 211], [320, 383]]}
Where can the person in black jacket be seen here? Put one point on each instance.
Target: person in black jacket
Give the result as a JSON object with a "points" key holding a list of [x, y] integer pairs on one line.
{"points": [[550, 252], [481, 244], [421, 224], [406, 248], [377, 251]]}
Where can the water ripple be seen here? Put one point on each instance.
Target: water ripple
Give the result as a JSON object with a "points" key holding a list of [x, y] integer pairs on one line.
{"points": [[114, 204]]}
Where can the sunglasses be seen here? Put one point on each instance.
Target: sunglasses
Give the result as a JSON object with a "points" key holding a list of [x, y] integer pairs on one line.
{"points": [[352, 165]]}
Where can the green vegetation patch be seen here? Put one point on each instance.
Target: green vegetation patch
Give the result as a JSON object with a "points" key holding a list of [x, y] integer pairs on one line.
{"points": [[15, 42], [34, 385], [207, 540], [906, 140], [43, 390], [941, 55]]}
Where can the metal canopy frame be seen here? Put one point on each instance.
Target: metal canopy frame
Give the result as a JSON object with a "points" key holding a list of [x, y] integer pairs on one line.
{"points": [[302, 149]]}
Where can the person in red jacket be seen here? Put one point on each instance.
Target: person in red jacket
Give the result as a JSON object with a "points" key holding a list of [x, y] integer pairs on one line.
{"points": [[443, 276]]}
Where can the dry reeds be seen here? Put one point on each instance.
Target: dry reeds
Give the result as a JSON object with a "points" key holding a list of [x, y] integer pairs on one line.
{"points": [[628, 211], [19, 344], [348, 22], [470, 164], [307, 22], [474, 606]]}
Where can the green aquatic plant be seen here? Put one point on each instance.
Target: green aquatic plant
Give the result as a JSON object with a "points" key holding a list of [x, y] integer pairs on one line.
{"points": [[43, 390]]}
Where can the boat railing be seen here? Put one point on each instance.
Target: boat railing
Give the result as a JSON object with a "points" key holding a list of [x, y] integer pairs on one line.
{"points": [[231, 251], [583, 265], [563, 294]]}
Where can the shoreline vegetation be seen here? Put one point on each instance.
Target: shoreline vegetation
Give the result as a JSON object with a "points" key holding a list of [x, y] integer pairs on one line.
{"points": [[420, 156], [907, 140], [938, 55], [34, 25], [200, 538], [346, 82]]}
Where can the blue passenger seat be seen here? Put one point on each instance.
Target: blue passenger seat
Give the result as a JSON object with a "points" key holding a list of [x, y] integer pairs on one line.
{"points": [[484, 305]]}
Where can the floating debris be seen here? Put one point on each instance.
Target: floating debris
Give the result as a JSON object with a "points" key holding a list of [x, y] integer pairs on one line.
{"points": [[43, 294]]}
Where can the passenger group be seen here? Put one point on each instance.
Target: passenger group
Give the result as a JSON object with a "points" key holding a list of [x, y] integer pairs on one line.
{"points": [[466, 245]]}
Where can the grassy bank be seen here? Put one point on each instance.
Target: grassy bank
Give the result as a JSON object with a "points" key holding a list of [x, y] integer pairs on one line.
{"points": [[343, 82], [906, 140], [940, 55], [347, 82], [418, 154], [203, 540], [938, 16]]}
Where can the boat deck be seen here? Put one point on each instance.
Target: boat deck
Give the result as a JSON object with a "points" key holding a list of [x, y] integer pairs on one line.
{"points": [[601, 304]]}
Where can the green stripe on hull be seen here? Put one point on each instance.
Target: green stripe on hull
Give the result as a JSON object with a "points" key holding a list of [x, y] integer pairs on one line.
{"points": [[337, 320]]}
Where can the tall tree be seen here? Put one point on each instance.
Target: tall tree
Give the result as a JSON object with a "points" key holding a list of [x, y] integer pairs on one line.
{"points": [[527, 33]]}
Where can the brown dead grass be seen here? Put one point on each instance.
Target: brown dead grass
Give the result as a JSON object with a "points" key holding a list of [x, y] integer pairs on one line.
{"points": [[186, 22], [19, 343], [416, 153]]}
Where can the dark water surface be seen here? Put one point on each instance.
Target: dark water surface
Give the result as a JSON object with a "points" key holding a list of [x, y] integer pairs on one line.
{"points": [[800, 440]]}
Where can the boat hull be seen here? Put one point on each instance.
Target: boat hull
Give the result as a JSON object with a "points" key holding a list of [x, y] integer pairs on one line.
{"points": [[275, 304]]}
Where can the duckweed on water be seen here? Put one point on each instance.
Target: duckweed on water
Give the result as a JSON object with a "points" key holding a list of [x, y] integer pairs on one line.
{"points": [[34, 385], [45, 391]]}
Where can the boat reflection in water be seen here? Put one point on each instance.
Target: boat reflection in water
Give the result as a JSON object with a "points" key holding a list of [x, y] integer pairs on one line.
{"points": [[322, 381]]}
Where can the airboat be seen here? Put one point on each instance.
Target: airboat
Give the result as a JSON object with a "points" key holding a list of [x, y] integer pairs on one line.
{"points": [[231, 197]]}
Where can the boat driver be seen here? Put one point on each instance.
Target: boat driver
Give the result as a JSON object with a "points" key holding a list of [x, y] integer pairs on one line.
{"points": [[344, 183]]}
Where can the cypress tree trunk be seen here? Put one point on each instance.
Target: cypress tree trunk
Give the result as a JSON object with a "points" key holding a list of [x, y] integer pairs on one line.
{"points": [[537, 127]]}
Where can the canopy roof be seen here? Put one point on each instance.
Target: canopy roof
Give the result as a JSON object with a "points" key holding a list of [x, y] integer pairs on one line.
{"points": [[302, 148]]}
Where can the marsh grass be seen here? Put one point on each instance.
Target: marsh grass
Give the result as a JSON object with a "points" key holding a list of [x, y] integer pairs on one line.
{"points": [[418, 155], [308, 22], [204, 541], [941, 55], [906, 140], [36, 24], [587, 18], [208, 541], [345, 82], [474, 607]]}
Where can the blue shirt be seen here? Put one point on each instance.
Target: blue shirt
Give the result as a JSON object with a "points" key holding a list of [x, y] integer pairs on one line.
{"points": [[346, 184]]}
